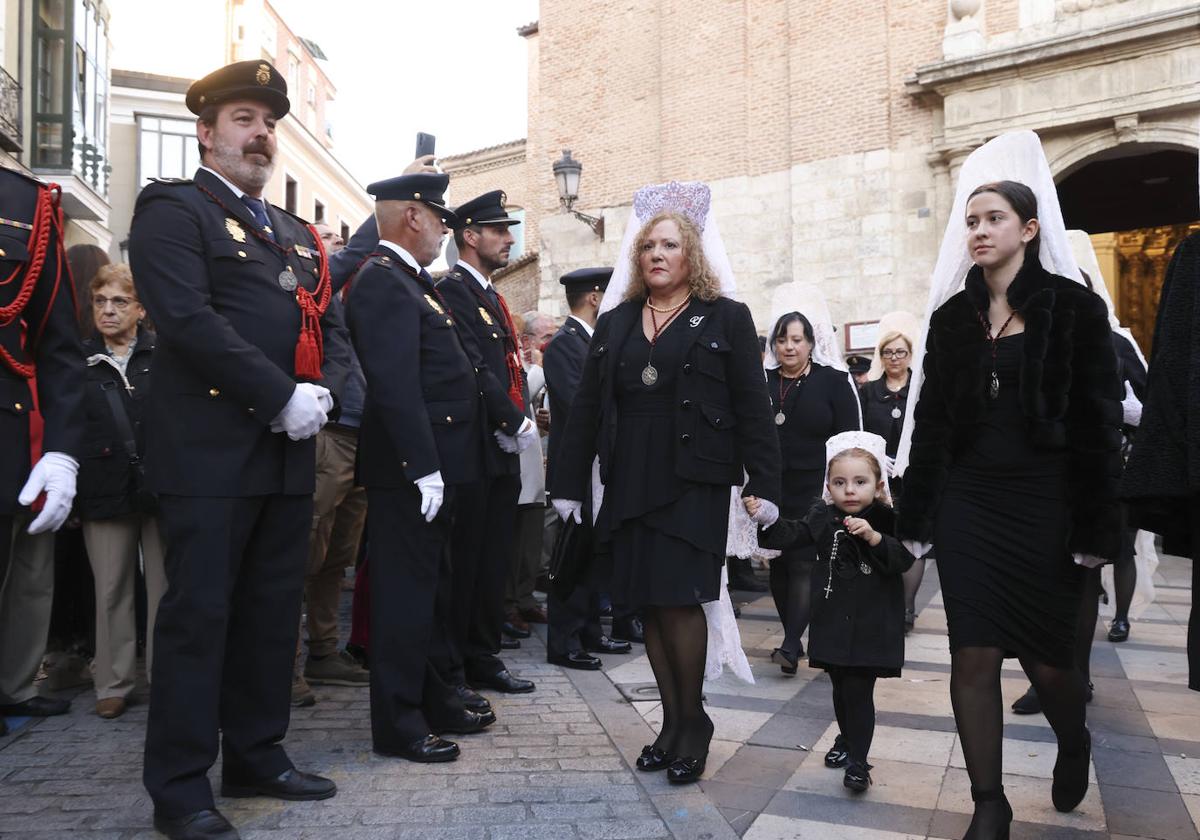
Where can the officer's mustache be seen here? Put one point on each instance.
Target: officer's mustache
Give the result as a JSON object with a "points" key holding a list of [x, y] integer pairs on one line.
{"points": [[257, 147]]}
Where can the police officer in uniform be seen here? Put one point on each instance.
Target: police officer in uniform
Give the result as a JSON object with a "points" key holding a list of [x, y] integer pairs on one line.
{"points": [[38, 337], [482, 544], [421, 441], [238, 290]]}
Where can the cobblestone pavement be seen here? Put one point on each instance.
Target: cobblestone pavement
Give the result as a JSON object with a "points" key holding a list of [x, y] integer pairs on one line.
{"points": [[557, 765]]}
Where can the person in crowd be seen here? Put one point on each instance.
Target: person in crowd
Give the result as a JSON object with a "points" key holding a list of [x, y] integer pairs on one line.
{"points": [[884, 401], [860, 369], [811, 400], [857, 631], [119, 515], [1013, 462], [414, 465], [331, 239], [672, 402], [42, 449], [339, 511], [238, 290], [484, 528]]}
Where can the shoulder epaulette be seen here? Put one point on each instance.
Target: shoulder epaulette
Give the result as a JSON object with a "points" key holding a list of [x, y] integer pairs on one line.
{"points": [[173, 182], [5, 170]]}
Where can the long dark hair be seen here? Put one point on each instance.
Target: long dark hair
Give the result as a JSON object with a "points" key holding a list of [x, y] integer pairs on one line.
{"points": [[787, 320], [85, 261], [1023, 202]]}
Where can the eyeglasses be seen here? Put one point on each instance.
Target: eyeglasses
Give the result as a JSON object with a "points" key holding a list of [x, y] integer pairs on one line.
{"points": [[121, 303], [894, 354]]}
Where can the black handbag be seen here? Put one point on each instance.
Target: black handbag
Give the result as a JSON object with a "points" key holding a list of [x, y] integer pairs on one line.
{"points": [[571, 558]]}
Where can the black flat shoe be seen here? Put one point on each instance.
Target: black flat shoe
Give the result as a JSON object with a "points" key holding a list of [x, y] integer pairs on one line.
{"points": [[428, 750], [630, 630], [1071, 776], [473, 700], [466, 723], [37, 706], [910, 620], [838, 755], [292, 785], [514, 632], [858, 777], [992, 815], [1118, 631], [685, 770], [509, 644], [652, 759], [1027, 703], [606, 645], [503, 681], [202, 825], [786, 662], [577, 659]]}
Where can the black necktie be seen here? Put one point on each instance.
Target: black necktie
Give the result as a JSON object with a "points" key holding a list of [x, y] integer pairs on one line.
{"points": [[260, 214], [492, 296]]}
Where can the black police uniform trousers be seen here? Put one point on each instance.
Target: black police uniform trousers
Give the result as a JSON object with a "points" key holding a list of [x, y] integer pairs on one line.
{"points": [[225, 638], [481, 553], [410, 605]]}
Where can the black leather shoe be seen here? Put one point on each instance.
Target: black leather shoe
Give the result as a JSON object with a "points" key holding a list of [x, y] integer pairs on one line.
{"points": [[514, 632], [473, 700], [838, 755], [509, 644], [1071, 776], [37, 706], [630, 630], [202, 825], [857, 777], [1027, 703], [1118, 631], [786, 662], [606, 645], [683, 771], [293, 785], [428, 750], [577, 659], [467, 723], [503, 681], [652, 759]]}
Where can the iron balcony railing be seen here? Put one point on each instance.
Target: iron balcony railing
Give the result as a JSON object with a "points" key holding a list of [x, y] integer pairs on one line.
{"points": [[10, 113]]}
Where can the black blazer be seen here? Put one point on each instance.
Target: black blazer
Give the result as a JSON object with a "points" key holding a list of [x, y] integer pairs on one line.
{"points": [[562, 363], [483, 329], [224, 365], [423, 411], [55, 351], [723, 419], [1069, 392], [878, 403]]}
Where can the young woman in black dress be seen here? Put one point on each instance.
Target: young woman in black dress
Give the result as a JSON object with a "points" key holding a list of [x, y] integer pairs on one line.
{"points": [[1013, 468], [673, 402]]}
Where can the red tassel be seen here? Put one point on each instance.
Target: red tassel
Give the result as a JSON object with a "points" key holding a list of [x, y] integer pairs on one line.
{"points": [[308, 356]]}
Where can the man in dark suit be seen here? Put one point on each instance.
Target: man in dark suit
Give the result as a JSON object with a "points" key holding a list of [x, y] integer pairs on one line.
{"points": [[38, 337], [574, 623], [482, 544], [421, 440], [238, 290]]}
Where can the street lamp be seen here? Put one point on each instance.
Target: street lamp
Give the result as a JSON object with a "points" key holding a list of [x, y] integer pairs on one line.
{"points": [[566, 174]]}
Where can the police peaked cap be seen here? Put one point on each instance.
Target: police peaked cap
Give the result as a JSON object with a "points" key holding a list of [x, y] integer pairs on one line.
{"points": [[429, 188], [587, 279], [257, 80], [858, 364], [487, 209]]}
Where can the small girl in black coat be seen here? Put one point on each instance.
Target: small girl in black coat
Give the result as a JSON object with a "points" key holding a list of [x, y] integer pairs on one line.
{"points": [[857, 630]]}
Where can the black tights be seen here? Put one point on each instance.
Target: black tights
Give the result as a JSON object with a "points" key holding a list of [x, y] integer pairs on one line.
{"points": [[677, 646], [978, 712], [912, 583], [854, 705], [791, 584]]}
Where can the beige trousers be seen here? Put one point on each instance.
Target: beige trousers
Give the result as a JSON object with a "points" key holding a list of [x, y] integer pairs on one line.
{"points": [[26, 596], [112, 547]]}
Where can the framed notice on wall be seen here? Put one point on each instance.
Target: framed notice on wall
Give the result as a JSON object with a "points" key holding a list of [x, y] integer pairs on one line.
{"points": [[861, 335]]}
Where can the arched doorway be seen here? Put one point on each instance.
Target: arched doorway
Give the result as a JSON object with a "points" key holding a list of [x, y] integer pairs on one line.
{"points": [[1137, 201]]}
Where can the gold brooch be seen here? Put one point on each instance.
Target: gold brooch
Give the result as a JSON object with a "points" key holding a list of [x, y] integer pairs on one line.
{"points": [[483, 313], [437, 307], [263, 76], [235, 230]]}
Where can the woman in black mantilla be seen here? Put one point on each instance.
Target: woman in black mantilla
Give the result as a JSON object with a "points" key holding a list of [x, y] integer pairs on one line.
{"points": [[673, 402], [811, 402], [1014, 460]]}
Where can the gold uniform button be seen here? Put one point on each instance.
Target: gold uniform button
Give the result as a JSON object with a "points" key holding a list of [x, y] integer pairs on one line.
{"points": [[503, 425], [495, 336], [3, 253], [213, 392], [449, 323], [251, 410], [242, 254], [404, 464], [449, 419], [17, 406], [416, 195]]}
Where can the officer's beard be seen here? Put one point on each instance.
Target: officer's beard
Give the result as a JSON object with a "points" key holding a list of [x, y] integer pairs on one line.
{"points": [[235, 164]]}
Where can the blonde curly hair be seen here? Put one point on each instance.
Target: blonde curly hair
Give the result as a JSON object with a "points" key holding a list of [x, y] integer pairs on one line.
{"points": [[702, 280]]}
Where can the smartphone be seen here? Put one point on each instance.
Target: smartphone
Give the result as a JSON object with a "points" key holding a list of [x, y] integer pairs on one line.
{"points": [[425, 144]]}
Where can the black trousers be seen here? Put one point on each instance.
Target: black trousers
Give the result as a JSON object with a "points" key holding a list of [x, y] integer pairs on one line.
{"points": [[571, 621], [410, 601], [225, 638], [485, 520]]}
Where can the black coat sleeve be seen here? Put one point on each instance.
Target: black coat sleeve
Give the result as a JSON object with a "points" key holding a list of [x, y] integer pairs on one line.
{"points": [[785, 534], [758, 440], [337, 361], [847, 408], [58, 356], [929, 456], [346, 262], [572, 475], [563, 364], [890, 557]]}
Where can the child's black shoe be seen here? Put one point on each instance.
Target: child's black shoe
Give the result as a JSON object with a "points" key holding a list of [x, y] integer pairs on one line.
{"points": [[838, 754], [858, 777]]}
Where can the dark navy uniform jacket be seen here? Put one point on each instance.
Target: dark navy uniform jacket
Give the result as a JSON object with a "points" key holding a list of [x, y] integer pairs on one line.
{"points": [[563, 365], [56, 354], [224, 366], [481, 323]]}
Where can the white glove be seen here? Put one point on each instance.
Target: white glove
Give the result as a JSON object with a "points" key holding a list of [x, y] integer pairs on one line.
{"points": [[918, 549], [305, 412], [891, 466], [1131, 408], [1089, 561], [55, 474], [567, 508], [527, 434], [768, 513], [506, 442], [432, 490]]}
